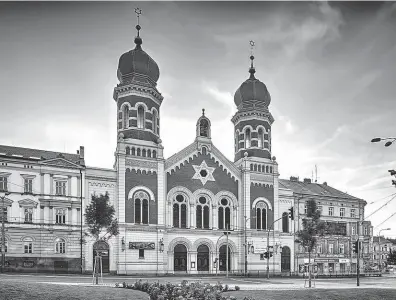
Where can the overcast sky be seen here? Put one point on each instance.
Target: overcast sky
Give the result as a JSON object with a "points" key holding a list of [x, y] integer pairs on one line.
{"points": [[329, 67]]}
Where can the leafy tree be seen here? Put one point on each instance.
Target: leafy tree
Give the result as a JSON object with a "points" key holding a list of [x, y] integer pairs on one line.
{"points": [[391, 258], [313, 227], [100, 219]]}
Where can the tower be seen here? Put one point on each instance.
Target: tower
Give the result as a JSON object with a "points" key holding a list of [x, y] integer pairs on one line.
{"points": [[139, 156]]}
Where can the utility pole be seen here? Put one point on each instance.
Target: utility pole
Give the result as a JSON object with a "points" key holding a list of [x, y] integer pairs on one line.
{"points": [[227, 233], [268, 252], [358, 251], [3, 232]]}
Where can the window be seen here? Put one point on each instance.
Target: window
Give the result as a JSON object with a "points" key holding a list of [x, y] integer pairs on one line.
{"points": [[353, 213], [204, 128], [305, 209], [60, 188], [202, 213], [28, 245], [125, 116], [180, 212], [28, 185], [5, 214], [331, 249], [342, 212], [140, 117], [353, 229], [60, 216], [285, 222], [341, 249], [261, 215], [141, 253], [3, 184], [155, 125], [224, 214], [260, 138], [247, 138], [141, 199], [60, 246], [365, 231], [320, 208], [319, 248], [28, 212], [331, 211]]}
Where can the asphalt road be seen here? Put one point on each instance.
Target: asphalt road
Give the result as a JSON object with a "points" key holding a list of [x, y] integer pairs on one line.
{"points": [[244, 283]]}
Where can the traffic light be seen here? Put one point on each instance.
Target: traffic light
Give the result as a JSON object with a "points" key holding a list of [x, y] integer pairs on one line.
{"points": [[270, 254], [291, 213], [355, 247]]}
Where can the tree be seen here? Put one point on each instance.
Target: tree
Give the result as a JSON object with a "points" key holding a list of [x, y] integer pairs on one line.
{"points": [[391, 257], [313, 227], [99, 217]]}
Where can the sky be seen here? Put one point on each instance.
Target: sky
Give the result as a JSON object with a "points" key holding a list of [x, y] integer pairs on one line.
{"points": [[329, 67]]}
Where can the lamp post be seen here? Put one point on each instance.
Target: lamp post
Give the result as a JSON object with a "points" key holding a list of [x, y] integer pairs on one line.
{"points": [[379, 243], [268, 246], [389, 140], [246, 244], [2, 196]]}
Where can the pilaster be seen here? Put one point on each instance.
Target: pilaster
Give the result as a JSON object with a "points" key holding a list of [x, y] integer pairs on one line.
{"points": [[161, 192]]}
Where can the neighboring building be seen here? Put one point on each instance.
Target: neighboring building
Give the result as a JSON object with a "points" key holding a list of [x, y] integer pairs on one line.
{"points": [[173, 212], [42, 208], [341, 212], [381, 249]]}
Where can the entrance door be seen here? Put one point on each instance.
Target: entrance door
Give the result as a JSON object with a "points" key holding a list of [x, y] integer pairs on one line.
{"points": [[223, 258], [203, 258], [101, 248], [180, 258], [285, 259]]}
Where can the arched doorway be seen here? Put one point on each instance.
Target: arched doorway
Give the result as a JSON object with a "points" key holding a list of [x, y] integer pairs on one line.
{"points": [[203, 258], [285, 259], [223, 258], [101, 248], [180, 258]]}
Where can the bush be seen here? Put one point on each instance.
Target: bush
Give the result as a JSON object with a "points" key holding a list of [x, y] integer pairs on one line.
{"points": [[183, 291], [237, 288]]}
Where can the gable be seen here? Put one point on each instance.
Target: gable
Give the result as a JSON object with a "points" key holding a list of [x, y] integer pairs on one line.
{"points": [[60, 162]]}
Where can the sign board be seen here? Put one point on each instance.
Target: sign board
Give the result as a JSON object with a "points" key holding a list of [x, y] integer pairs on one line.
{"points": [[142, 245], [328, 260], [28, 264], [260, 247]]}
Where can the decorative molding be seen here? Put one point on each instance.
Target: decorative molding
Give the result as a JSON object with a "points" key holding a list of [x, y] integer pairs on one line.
{"points": [[139, 90], [226, 165], [179, 190], [203, 167], [248, 115], [262, 177], [205, 192], [226, 194], [101, 184], [265, 200], [27, 203], [61, 162], [204, 241], [143, 188], [147, 164], [177, 159], [180, 240]]}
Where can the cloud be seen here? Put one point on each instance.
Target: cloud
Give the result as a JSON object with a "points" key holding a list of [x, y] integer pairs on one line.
{"points": [[222, 97]]}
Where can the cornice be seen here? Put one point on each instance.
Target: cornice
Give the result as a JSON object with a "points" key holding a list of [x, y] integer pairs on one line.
{"points": [[142, 165], [140, 90], [253, 114], [101, 184]]}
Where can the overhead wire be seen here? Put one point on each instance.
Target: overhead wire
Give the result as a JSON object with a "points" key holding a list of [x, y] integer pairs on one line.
{"points": [[381, 207]]}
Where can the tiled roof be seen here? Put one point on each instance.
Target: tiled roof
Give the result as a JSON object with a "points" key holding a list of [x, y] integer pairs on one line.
{"points": [[301, 187], [383, 240], [36, 154]]}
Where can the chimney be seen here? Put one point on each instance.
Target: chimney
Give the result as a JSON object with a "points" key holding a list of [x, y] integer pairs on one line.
{"points": [[293, 178], [81, 152], [307, 180], [325, 183]]}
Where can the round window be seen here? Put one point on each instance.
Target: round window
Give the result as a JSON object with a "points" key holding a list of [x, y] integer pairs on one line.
{"points": [[203, 173], [179, 198], [202, 200], [224, 202]]}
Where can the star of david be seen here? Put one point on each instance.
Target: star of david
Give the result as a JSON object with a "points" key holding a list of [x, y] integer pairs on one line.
{"points": [[203, 173]]}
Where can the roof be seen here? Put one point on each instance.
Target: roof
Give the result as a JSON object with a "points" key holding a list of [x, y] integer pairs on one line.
{"points": [[383, 240], [318, 189], [38, 155]]}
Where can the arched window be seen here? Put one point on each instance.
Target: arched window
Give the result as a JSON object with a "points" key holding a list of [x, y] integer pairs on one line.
{"points": [[261, 215], [138, 152], [255, 167], [251, 167], [127, 151], [60, 246], [28, 245], [259, 168], [144, 152], [125, 116], [154, 154], [269, 139], [247, 138], [140, 117], [133, 152], [149, 153], [202, 212], [180, 212], [260, 138], [155, 128], [285, 222], [236, 142], [266, 169], [141, 203], [204, 128], [224, 214]]}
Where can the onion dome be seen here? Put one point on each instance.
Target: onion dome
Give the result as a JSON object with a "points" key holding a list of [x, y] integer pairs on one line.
{"points": [[137, 65], [252, 89]]}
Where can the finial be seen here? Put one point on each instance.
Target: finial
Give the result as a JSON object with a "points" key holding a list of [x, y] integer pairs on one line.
{"points": [[138, 39], [203, 111], [252, 70]]}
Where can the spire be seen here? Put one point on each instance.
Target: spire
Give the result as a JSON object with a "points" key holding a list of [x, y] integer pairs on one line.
{"points": [[203, 111], [251, 70], [138, 39]]}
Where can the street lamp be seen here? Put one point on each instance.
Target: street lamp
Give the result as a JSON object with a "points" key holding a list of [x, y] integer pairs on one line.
{"points": [[389, 140], [247, 245], [2, 196], [379, 243]]}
